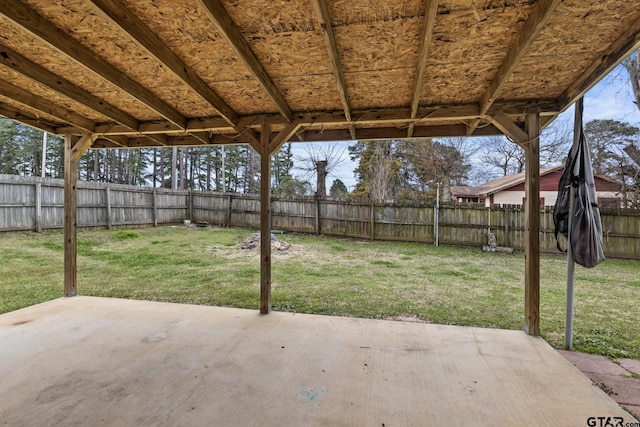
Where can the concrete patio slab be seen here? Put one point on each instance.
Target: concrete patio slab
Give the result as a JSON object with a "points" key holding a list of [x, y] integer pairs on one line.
{"points": [[98, 361]]}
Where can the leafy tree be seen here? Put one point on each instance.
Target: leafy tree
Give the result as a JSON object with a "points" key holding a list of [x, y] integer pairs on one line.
{"points": [[378, 171], [9, 148], [407, 169], [21, 150], [607, 138], [291, 187], [429, 163], [338, 189], [281, 166]]}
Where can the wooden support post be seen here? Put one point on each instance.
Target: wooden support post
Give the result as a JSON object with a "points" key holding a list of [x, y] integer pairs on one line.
{"points": [[532, 227], [265, 220], [70, 205], [38, 207], [107, 193], [190, 201]]}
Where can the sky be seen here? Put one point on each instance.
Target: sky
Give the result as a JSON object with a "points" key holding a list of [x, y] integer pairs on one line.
{"points": [[611, 98]]}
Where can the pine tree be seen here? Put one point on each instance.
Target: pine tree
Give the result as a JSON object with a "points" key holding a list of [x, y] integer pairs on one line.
{"points": [[338, 189]]}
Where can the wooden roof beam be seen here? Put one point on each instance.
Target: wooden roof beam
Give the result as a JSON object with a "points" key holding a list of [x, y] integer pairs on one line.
{"points": [[441, 131], [425, 116], [102, 142], [430, 11], [38, 26], [138, 31], [621, 48], [22, 65], [19, 116], [322, 14], [228, 30], [45, 106], [539, 16], [158, 138]]}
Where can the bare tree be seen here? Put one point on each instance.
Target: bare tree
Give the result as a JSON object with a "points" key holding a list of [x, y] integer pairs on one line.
{"points": [[335, 155], [505, 156]]}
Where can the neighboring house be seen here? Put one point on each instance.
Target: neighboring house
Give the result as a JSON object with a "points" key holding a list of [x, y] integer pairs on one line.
{"points": [[509, 190]]}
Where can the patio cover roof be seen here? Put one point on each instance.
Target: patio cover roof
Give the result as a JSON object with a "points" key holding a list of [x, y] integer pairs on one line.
{"points": [[194, 72], [142, 73]]}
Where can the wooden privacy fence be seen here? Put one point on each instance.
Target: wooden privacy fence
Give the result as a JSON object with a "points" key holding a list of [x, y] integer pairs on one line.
{"points": [[37, 204]]}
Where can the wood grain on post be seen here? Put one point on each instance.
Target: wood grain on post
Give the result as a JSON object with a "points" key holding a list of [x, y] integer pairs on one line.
{"points": [[265, 220], [70, 205], [532, 227]]}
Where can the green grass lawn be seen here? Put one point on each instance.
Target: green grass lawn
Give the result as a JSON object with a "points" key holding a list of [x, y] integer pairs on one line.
{"points": [[405, 281]]}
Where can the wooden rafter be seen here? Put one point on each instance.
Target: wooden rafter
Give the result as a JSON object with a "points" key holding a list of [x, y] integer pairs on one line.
{"points": [[232, 34], [22, 65], [539, 15], [136, 29], [17, 115], [430, 11], [202, 136], [38, 26], [103, 142], [43, 105], [621, 48], [322, 14], [117, 140], [157, 138]]}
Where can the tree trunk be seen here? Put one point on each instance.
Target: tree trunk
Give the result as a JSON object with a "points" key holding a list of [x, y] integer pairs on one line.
{"points": [[633, 68], [174, 166], [321, 173]]}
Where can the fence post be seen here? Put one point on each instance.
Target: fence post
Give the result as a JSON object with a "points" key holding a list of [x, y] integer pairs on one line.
{"points": [[228, 217], [373, 220], [317, 216], [507, 226], [38, 208], [155, 207], [107, 191], [190, 205]]}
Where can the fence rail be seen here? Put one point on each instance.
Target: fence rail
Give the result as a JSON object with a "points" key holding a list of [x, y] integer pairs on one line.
{"points": [[28, 203]]}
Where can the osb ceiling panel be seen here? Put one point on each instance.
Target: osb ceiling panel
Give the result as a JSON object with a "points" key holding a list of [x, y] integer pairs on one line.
{"points": [[48, 57], [271, 61], [562, 52]]}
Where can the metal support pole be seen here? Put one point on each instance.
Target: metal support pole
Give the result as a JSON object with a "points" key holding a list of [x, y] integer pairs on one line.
{"points": [[568, 329], [568, 324]]}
